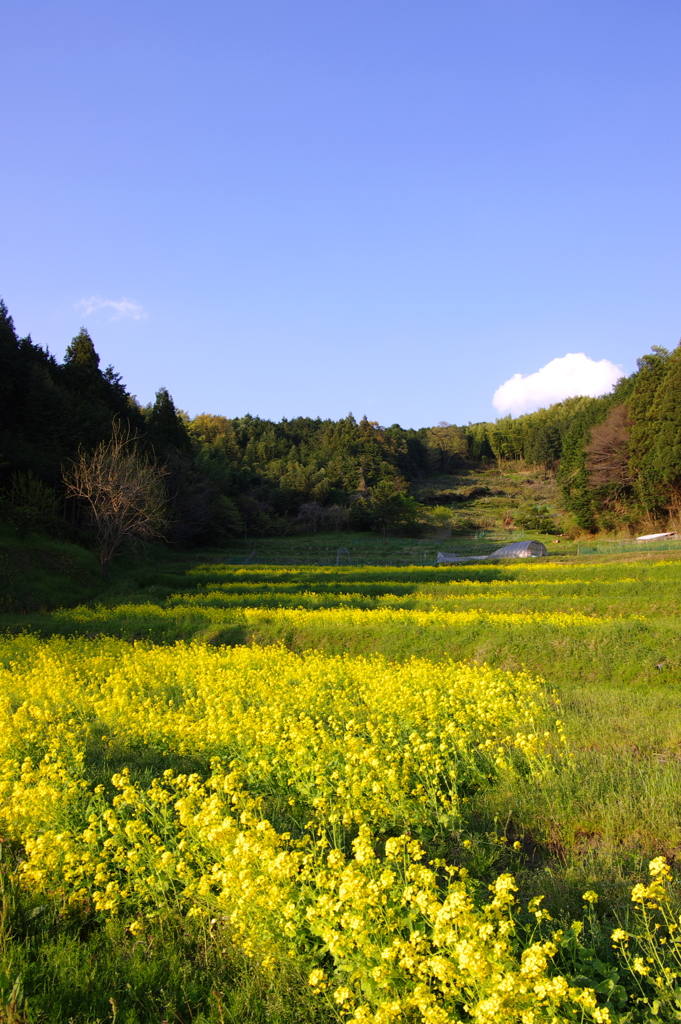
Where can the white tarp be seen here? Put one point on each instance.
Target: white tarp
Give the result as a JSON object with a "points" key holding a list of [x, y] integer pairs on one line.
{"points": [[656, 536]]}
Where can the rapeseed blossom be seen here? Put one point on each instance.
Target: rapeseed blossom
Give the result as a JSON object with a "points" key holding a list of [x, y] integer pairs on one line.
{"points": [[294, 804]]}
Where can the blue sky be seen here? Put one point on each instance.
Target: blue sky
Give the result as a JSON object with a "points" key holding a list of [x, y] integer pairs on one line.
{"points": [[310, 208]]}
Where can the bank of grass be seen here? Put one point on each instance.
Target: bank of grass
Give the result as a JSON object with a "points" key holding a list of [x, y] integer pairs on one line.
{"points": [[39, 573]]}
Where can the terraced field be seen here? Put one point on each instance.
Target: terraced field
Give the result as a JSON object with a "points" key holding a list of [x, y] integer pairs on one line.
{"points": [[372, 794]]}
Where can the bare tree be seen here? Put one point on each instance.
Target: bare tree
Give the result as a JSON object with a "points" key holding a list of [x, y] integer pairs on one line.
{"points": [[337, 516], [607, 453], [312, 513], [123, 492], [316, 515]]}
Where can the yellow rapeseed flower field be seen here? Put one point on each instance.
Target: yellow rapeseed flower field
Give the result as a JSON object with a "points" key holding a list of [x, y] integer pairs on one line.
{"points": [[312, 808], [329, 778]]}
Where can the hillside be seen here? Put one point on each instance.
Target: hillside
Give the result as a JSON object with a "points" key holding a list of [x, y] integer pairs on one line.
{"points": [[584, 465]]}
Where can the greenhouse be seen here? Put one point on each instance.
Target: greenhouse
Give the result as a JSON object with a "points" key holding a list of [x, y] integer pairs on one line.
{"points": [[519, 549]]}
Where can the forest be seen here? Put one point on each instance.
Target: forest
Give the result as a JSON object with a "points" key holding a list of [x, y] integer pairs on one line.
{"points": [[617, 458]]}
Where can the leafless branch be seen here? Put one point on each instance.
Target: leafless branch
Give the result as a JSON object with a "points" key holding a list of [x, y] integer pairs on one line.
{"points": [[607, 453], [122, 490]]}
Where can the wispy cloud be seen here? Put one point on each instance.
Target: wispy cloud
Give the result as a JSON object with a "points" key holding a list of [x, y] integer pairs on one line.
{"points": [[117, 309], [570, 375]]}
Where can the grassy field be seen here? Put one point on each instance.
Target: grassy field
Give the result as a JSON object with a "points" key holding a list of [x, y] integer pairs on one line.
{"points": [[299, 793], [484, 497]]}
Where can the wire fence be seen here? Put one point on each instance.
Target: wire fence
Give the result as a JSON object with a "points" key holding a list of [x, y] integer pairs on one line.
{"points": [[480, 542], [623, 547]]}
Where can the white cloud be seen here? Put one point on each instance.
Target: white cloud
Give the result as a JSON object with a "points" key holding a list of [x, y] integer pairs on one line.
{"points": [[124, 307], [573, 374]]}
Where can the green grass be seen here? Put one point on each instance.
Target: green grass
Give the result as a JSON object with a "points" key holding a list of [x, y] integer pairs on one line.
{"points": [[483, 497], [56, 965]]}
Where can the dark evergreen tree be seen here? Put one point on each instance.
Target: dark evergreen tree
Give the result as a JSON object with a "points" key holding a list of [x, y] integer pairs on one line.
{"points": [[166, 429], [656, 431], [48, 410], [81, 354], [96, 397]]}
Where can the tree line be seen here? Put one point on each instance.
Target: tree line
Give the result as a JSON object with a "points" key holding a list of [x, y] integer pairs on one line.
{"points": [[221, 477], [617, 458]]}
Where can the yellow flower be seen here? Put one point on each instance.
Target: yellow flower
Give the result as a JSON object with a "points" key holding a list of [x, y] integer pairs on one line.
{"points": [[639, 893], [659, 868], [281, 843]]}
